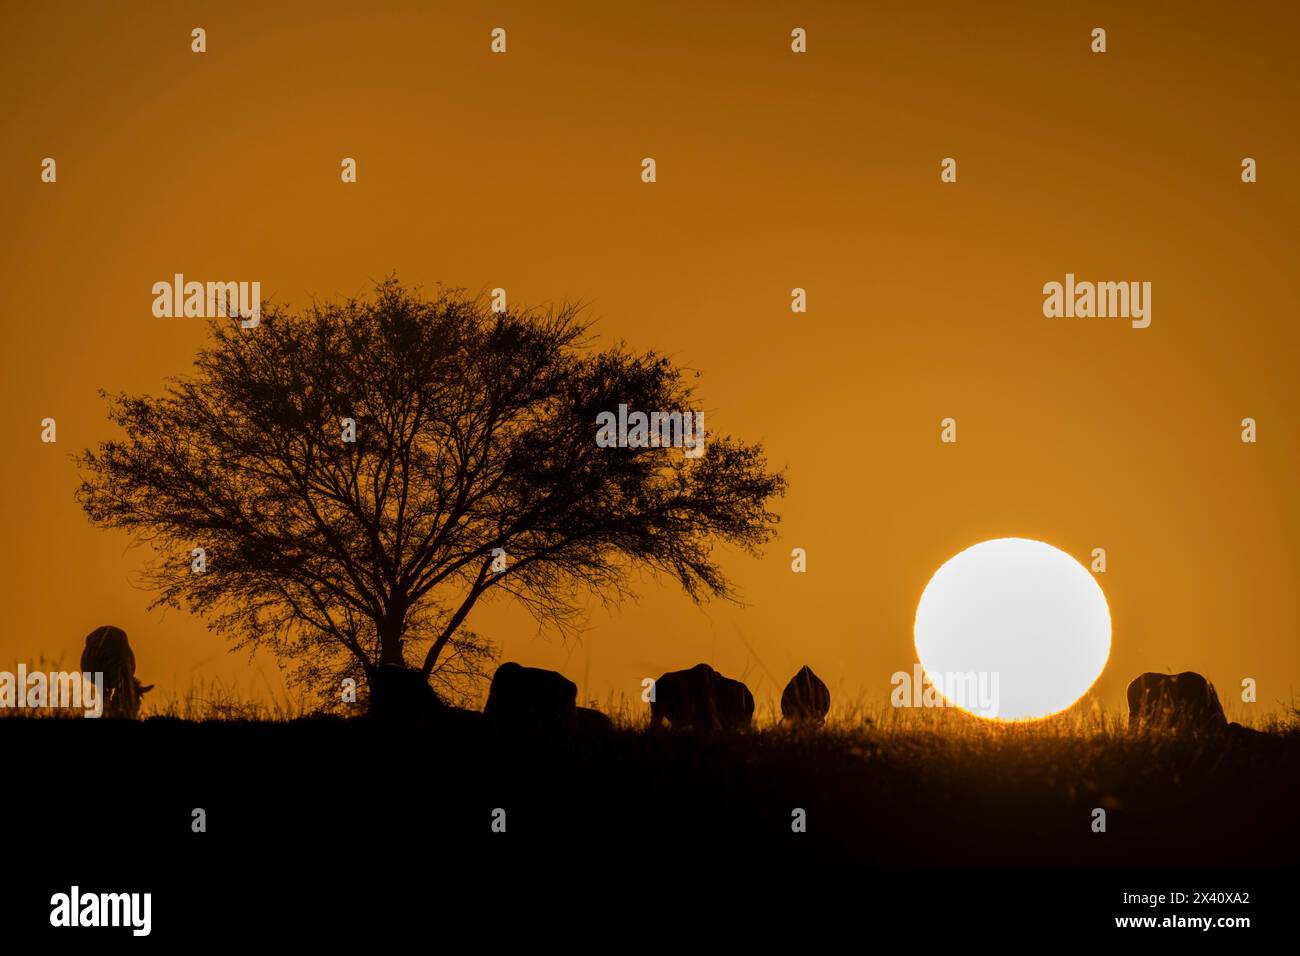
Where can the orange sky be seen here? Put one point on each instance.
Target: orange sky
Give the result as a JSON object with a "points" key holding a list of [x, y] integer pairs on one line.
{"points": [[775, 170]]}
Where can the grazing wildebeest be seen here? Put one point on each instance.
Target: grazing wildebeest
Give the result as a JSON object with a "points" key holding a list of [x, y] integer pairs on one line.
{"points": [[531, 697], [107, 652], [1187, 701], [1249, 735], [805, 699], [401, 693], [701, 698], [591, 721]]}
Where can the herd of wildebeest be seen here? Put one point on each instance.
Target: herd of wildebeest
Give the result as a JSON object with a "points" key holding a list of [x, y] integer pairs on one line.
{"points": [[699, 698]]}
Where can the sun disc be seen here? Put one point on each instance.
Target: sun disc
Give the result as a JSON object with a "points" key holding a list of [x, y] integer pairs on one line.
{"points": [[1012, 629]]}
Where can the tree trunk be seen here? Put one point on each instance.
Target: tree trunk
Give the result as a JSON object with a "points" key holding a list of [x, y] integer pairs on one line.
{"points": [[390, 641]]}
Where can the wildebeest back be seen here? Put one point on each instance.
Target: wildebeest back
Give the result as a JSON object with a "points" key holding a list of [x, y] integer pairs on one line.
{"points": [[401, 693], [701, 697], [1177, 700], [531, 696]]}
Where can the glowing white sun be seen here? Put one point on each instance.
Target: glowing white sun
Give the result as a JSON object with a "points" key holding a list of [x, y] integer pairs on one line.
{"points": [[1013, 629]]}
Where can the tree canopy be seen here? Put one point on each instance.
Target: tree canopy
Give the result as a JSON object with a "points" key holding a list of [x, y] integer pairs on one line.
{"points": [[473, 468]]}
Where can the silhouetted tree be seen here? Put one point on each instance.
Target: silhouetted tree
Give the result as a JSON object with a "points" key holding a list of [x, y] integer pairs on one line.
{"points": [[474, 431]]}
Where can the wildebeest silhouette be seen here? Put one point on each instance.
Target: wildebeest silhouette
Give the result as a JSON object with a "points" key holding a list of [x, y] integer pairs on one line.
{"points": [[1249, 735], [588, 720], [701, 698], [531, 697], [107, 652], [1186, 701], [401, 693], [805, 699]]}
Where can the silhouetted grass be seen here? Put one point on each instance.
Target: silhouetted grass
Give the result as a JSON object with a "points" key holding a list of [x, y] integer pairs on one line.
{"points": [[876, 784]]}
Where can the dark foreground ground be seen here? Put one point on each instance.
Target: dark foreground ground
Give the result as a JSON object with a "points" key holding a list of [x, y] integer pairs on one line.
{"points": [[338, 823]]}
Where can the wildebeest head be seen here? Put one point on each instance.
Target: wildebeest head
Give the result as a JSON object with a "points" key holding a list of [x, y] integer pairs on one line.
{"points": [[107, 652], [1187, 701], [806, 699], [701, 698]]}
